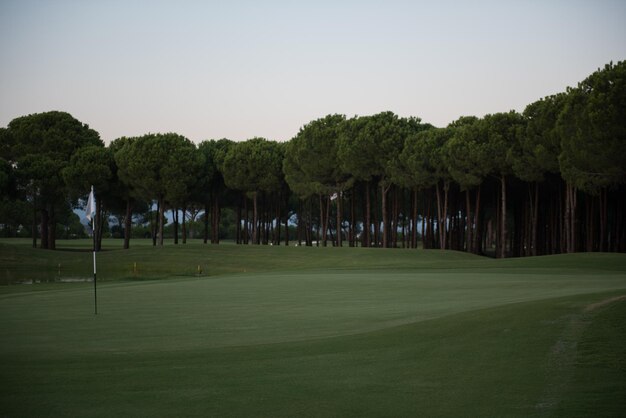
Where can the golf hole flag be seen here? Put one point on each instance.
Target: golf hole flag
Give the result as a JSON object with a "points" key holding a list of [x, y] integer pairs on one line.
{"points": [[91, 206]]}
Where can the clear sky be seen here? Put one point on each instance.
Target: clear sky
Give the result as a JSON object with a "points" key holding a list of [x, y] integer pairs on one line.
{"points": [[239, 69]]}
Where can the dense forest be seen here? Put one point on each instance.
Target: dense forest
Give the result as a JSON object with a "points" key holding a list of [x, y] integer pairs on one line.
{"points": [[549, 180]]}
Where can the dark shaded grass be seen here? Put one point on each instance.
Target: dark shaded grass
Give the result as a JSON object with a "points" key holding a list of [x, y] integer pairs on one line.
{"points": [[20, 263], [491, 362], [597, 381], [545, 356]]}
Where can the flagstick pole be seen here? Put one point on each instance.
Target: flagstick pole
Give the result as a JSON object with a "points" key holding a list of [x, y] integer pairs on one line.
{"points": [[95, 289]]}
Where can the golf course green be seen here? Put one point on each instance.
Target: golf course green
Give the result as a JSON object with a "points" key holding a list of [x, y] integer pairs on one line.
{"points": [[202, 330]]}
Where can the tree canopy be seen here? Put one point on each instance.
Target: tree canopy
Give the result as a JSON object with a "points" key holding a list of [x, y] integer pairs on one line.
{"points": [[548, 180]]}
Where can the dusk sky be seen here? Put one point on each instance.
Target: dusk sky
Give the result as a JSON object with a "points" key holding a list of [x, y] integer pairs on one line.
{"points": [[240, 69]]}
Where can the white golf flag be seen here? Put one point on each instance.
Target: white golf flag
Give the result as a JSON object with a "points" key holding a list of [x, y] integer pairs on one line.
{"points": [[334, 196], [91, 206]]}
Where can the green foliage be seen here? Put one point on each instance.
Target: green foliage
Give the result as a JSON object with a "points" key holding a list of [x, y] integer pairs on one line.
{"points": [[592, 128], [50, 159], [7, 178], [502, 131], [311, 163], [424, 156], [72, 228], [42, 145], [208, 171], [539, 143], [118, 147], [161, 166], [214, 154], [253, 166], [54, 134], [90, 166], [466, 152], [180, 173], [354, 155], [371, 146], [13, 214]]}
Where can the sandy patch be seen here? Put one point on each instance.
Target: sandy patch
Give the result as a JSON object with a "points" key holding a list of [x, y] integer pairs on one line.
{"points": [[604, 302]]}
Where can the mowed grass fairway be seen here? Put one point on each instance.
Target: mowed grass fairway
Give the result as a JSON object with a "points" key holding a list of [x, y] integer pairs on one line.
{"points": [[295, 331]]}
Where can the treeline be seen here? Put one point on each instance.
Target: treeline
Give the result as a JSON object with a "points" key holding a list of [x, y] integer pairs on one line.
{"points": [[550, 180]]}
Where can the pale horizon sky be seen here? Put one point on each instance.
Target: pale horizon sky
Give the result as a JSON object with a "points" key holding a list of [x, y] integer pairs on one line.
{"points": [[240, 69]]}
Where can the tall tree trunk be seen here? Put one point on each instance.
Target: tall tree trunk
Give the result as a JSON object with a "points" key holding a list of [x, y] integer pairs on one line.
{"points": [[254, 218], [34, 226], [128, 221], [446, 189], [184, 224], [261, 224], [321, 234], [52, 228], [154, 225], [425, 216], [566, 220], [590, 220], [414, 220], [620, 225], [570, 218], [442, 215], [286, 228], [477, 242], [434, 238], [327, 221], [426, 222], [300, 225], [503, 234], [262, 234], [278, 223], [468, 217], [603, 218], [352, 218], [441, 224], [238, 229], [319, 225], [216, 219], [213, 216], [246, 222], [268, 222], [339, 238], [557, 227], [376, 220], [44, 228], [308, 223], [574, 235], [535, 222], [367, 224], [287, 219], [161, 206], [395, 219], [563, 224], [525, 228], [406, 230], [451, 227], [206, 223], [383, 191], [175, 219], [331, 234]]}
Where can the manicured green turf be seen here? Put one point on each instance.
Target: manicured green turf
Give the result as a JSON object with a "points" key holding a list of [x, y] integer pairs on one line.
{"points": [[312, 332]]}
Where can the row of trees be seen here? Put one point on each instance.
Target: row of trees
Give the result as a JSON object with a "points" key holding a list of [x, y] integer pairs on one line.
{"points": [[549, 180]]}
